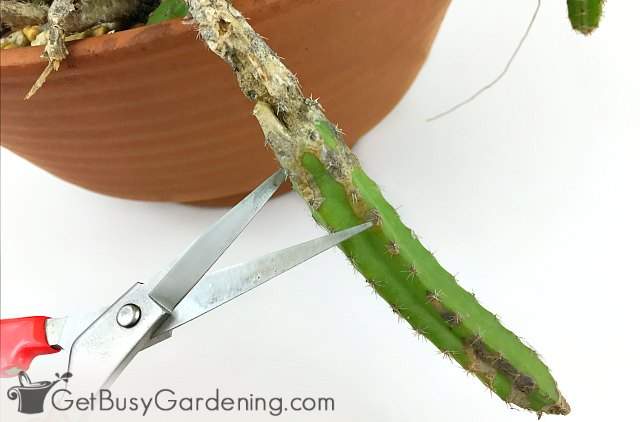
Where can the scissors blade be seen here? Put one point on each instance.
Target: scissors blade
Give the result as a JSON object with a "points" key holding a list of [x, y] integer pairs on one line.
{"points": [[206, 250], [221, 286], [102, 351]]}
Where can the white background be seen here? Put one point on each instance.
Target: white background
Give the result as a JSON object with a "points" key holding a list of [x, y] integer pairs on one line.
{"points": [[530, 195]]}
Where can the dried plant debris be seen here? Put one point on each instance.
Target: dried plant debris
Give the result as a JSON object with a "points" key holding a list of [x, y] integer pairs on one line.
{"points": [[53, 23], [16, 14], [38, 35], [69, 16]]}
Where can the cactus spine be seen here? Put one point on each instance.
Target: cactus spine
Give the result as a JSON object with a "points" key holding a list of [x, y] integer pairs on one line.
{"points": [[585, 14], [329, 177]]}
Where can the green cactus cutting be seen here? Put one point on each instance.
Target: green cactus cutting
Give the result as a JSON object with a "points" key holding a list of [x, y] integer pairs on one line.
{"points": [[585, 14], [328, 176]]}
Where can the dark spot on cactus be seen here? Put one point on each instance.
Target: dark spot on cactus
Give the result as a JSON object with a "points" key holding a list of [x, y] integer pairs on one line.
{"points": [[482, 352], [281, 108], [506, 368], [525, 384], [451, 318], [522, 382], [223, 27]]}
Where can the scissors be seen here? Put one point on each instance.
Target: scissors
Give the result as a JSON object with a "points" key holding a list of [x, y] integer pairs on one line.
{"points": [[103, 343]]}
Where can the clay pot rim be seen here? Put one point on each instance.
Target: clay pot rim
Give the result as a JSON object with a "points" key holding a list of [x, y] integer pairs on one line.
{"points": [[25, 56], [129, 38]]}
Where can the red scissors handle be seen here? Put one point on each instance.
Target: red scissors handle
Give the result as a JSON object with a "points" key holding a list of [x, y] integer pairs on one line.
{"points": [[21, 340]]}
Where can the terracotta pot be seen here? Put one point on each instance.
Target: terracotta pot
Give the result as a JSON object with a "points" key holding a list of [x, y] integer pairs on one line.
{"points": [[151, 114]]}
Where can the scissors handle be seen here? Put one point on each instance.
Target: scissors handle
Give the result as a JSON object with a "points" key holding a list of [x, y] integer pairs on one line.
{"points": [[21, 340]]}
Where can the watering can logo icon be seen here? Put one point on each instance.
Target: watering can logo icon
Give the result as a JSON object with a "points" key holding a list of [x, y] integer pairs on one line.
{"points": [[31, 395]]}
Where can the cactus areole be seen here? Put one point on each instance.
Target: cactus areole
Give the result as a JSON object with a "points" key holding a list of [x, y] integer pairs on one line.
{"points": [[328, 176]]}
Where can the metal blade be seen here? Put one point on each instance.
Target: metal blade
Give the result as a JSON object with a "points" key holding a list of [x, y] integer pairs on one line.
{"points": [[221, 286], [206, 250]]}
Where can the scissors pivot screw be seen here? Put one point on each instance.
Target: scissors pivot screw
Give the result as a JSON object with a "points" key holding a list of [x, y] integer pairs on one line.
{"points": [[128, 316]]}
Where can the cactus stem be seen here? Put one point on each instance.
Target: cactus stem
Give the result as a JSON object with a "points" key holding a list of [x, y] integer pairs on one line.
{"points": [[320, 165], [585, 14]]}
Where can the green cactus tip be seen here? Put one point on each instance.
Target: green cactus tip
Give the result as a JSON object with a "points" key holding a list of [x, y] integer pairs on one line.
{"points": [[585, 14], [168, 9]]}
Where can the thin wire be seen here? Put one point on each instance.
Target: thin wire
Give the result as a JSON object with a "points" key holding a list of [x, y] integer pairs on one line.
{"points": [[500, 75]]}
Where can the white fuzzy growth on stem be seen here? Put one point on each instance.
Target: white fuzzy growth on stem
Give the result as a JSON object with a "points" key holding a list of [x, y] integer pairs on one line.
{"points": [[260, 73]]}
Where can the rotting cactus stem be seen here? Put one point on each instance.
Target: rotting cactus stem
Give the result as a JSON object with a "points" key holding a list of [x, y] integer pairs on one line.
{"points": [[328, 176]]}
